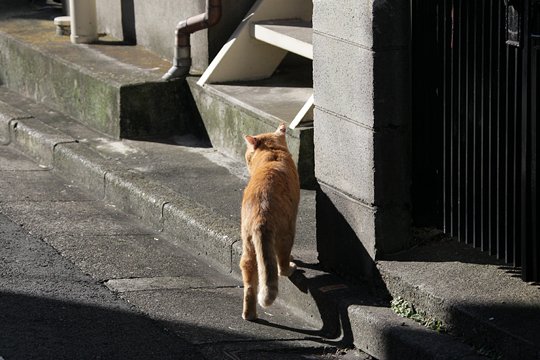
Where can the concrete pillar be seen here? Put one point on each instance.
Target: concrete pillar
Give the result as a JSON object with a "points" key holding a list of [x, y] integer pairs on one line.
{"points": [[361, 76]]}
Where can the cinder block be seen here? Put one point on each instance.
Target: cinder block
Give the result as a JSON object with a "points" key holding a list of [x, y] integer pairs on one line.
{"points": [[344, 156], [375, 24], [350, 20], [343, 79], [371, 88], [345, 234], [351, 235]]}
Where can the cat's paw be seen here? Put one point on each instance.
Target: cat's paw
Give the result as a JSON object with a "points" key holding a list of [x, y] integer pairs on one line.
{"points": [[249, 315], [288, 272]]}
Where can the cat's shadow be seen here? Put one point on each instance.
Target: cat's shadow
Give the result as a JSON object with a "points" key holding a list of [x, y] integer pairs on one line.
{"points": [[336, 327], [313, 335]]}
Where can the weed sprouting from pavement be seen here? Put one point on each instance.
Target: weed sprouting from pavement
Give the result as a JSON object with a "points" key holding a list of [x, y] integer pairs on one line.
{"points": [[405, 309]]}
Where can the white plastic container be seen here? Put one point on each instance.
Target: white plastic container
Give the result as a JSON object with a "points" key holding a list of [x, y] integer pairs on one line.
{"points": [[83, 21]]}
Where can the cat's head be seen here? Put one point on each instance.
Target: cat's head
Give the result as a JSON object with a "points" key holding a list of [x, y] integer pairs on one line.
{"points": [[268, 141]]}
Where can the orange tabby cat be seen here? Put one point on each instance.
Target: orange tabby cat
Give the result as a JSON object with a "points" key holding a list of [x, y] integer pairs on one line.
{"points": [[269, 210]]}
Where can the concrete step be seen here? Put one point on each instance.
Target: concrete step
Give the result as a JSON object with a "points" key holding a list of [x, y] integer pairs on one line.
{"points": [[112, 87], [476, 296], [246, 76], [231, 110], [293, 35], [191, 194], [116, 89]]}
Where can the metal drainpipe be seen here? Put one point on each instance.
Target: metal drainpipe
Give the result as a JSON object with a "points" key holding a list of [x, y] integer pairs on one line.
{"points": [[182, 50]]}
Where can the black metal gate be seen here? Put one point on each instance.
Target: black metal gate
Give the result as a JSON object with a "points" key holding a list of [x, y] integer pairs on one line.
{"points": [[475, 75]]}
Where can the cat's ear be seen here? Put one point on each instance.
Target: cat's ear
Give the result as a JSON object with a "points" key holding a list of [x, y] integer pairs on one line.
{"points": [[252, 142], [281, 130]]}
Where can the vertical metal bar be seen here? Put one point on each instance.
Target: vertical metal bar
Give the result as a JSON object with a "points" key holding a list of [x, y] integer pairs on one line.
{"points": [[455, 115], [462, 113], [468, 122], [513, 234], [505, 173], [501, 96], [530, 248], [525, 156], [484, 135], [446, 105], [479, 127], [479, 233], [534, 95], [502, 143], [456, 75], [512, 76], [475, 163], [464, 141], [493, 71]]}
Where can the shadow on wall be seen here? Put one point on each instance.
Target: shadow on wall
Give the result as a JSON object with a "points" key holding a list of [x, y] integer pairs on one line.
{"points": [[339, 249], [128, 21]]}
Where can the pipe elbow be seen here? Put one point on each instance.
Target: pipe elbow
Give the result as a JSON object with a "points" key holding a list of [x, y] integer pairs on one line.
{"points": [[181, 27], [176, 72], [183, 31]]}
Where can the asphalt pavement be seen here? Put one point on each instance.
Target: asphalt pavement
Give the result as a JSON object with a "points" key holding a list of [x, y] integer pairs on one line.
{"points": [[79, 279]]}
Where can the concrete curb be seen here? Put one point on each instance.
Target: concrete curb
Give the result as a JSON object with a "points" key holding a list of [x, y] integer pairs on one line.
{"points": [[391, 337], [158, 206], [347, 313], [8, 114], [488, 324]]}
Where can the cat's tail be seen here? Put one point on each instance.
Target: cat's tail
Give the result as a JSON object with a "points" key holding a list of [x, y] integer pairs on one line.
{"points": [[266, 265]]}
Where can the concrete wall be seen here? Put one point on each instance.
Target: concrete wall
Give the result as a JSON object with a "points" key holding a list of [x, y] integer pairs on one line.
{"points": [[151, 23], [362, 130]]}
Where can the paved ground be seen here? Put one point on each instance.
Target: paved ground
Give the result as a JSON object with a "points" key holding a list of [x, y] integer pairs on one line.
{"points": [[79, 279]]}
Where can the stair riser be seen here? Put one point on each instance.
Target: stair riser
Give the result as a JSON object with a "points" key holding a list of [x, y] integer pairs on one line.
{"points": [[227, 123]]}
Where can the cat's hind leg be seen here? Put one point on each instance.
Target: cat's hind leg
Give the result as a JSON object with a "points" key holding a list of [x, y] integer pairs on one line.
{"points": [[248, 265], [285, 264]]}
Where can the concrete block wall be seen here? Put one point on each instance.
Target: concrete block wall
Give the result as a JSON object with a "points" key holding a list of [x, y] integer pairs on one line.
{"points": [[361, 82], [151, 23]]}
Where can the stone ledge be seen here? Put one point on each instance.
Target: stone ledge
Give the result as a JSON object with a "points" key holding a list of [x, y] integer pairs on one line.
{"points": [[114, 88]]}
